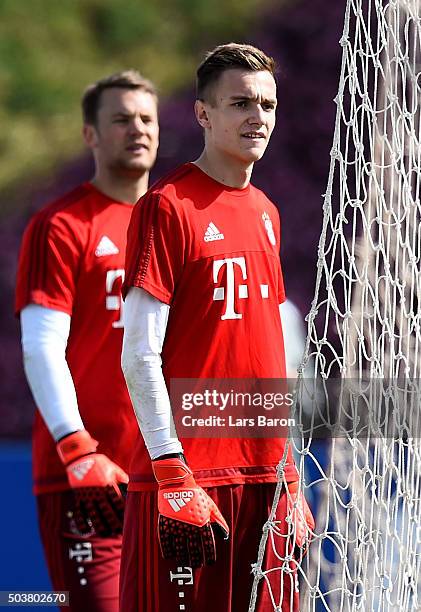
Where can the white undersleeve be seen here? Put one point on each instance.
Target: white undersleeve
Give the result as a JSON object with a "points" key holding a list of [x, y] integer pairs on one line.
{"points": [[44, 340], [145, 323], [294, 337]]}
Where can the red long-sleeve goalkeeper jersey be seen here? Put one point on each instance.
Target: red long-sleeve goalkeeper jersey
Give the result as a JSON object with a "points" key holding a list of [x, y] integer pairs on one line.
{"points": [[212, 253], [72, 260]]}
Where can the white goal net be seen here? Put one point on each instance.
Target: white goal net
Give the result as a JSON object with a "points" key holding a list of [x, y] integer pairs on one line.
{"points": [[358, 400]]}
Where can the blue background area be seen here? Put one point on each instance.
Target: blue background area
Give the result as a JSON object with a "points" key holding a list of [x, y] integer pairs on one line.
{"points": [[22, 565]]}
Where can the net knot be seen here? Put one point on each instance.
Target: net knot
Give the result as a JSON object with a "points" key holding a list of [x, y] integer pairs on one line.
{"points": [[335, 153], [256, 570], [313, 591], [268, 526]]}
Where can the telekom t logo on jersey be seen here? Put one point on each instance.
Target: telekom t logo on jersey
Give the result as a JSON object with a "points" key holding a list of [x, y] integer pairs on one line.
{"points": [[228, 293], [231, 291], [113, 299]]}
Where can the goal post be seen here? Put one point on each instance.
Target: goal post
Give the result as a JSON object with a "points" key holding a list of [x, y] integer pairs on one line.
{"points": [[358, 439]]}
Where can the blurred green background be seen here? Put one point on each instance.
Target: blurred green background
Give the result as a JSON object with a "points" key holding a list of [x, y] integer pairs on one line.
{"points": [[50, 51]]}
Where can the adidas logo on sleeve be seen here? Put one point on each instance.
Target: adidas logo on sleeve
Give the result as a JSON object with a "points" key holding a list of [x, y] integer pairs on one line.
{"points": [[213, 233]]}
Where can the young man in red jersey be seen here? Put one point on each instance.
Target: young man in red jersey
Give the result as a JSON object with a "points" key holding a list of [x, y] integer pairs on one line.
{"points": [[68, 296], [203, 287]]}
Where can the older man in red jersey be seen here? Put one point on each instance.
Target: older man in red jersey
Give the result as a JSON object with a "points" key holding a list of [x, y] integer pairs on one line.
{"points": [[68, 296]]}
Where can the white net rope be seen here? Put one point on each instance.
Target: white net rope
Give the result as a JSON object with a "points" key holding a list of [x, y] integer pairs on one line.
{"points": [[358, 444]]}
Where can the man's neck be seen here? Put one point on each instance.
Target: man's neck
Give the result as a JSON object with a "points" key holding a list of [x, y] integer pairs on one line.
{"points": [[229, 173], [121, 188]]}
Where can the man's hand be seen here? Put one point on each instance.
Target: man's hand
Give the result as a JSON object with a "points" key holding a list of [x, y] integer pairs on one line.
{"points": [[188, 517], [301, 517], [95, 480]]}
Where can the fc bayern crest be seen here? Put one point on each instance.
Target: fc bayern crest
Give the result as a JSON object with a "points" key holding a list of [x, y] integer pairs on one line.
{"points": [[269, 228]]}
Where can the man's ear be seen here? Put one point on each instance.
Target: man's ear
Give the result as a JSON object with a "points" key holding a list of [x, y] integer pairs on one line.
{"points": [[201, 112], [90, 135]]}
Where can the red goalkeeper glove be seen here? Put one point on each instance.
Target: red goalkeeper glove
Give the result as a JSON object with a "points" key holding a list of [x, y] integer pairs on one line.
{"points": [[188, 517], [301, 517], [95, 480]]}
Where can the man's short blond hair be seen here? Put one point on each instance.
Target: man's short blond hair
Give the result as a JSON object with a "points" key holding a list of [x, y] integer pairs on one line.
{"points": [[127, 79]]}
